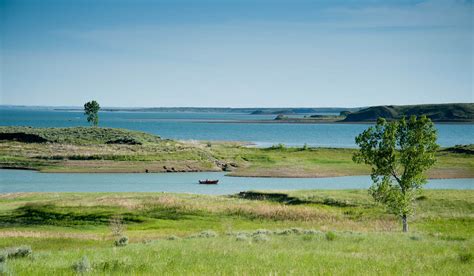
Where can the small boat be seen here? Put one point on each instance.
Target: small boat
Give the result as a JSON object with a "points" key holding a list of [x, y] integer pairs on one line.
{"points": [[208, 181]]}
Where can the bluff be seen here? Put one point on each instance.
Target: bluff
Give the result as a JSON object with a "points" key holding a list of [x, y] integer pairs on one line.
{"points": [[457, 112]]}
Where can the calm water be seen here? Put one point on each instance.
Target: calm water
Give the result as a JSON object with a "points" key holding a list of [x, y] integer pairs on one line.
{"points": [[196, 126], [30, 181]]}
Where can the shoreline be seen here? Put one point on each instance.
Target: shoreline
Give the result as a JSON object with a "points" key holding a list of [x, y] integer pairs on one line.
{"points": [[304, 121]]}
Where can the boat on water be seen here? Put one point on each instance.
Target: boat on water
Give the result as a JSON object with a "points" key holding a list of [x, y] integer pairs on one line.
{"points": [[208, 181]]}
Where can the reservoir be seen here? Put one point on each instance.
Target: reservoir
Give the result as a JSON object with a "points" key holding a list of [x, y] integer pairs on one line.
{"points": [[12, 181]]}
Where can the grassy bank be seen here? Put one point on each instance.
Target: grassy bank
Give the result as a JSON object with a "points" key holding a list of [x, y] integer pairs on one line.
{"points": [[303, 232], [115, 150]]}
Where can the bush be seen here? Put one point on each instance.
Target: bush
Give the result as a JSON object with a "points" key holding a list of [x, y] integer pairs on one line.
{"points": [[279, 146], [465, 257], [308, 238], [261, 238], [18, 252], [207, 234], [311, 232], [330, 236], [122, 241], [296, 230], [284, 232], [262, 231], [82, 266], [116, 226], [241, 237], [3, 257], [111, 266]]}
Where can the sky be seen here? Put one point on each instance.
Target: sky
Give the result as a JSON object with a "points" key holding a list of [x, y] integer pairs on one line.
{"points": [[228, 53]]}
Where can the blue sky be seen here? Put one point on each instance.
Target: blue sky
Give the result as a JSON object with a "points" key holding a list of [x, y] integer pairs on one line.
{"points": [[236, 53]]}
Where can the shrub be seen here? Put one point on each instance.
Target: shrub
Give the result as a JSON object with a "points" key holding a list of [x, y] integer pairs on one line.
{"points": [[311, 232], [330, 236], [18, 252], [296, 230], [207, 234], [3, 257], [465, 257], [262, 231], [82, 266], [284, 232], [279, 146], [260, 238], [122, 241], [116, 226], [241, 237], [111, 265], [308, 238]]}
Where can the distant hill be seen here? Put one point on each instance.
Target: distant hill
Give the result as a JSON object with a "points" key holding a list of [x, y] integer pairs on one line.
{"points": [[460, 112], [295, 111]]}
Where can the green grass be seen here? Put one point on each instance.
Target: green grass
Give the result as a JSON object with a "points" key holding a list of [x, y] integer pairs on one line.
{"points": [[350, 234], [84, 135]]}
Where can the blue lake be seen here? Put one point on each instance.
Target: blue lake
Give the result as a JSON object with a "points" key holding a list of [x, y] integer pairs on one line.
{"points": [[29, 181], [216, 126]]}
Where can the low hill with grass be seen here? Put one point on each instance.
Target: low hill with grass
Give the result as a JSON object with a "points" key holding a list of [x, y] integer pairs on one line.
{"points": [[76, 135], [459, 112]]}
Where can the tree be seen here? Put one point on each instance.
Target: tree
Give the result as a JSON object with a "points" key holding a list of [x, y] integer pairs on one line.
{"points": [[399, 152], [91, 110]]}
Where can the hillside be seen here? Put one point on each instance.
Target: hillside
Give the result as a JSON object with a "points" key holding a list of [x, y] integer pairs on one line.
{"points": [[76, 135], [460, 112]]}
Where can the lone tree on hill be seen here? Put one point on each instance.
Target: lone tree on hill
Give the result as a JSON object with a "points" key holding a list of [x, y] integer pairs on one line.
{"points": [[399, 152], [91, 110]]}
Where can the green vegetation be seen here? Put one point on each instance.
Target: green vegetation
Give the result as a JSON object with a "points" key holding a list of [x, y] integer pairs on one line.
{"points": [[324, 232], [400, 153], [462, 112], [79, 135], [312, 119], [82, 149], [91, 110]]}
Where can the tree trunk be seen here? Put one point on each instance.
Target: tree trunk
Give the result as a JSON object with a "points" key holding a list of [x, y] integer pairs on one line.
{"points": [[405, 223]]}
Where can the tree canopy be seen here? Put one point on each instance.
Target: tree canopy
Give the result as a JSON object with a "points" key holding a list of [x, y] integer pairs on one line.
{"points": [[91, 110], [399, 153]]}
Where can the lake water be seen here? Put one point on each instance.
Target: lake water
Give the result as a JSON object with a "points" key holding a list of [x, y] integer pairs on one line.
{"points": [[30, 181], [216, 126]]}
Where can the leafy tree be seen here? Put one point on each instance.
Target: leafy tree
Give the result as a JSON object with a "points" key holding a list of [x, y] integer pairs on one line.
{"points": [[91, 110], [399, 152]]}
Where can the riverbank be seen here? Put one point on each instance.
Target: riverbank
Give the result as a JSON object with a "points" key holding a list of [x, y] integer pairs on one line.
{"points": [[103, 150], [325, 232]]}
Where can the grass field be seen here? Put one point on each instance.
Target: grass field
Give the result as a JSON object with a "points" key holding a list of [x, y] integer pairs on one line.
{"points": [[115, 150], [300, 233]]}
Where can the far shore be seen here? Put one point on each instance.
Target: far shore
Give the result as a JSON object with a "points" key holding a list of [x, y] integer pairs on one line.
{"points": [[313, 121]]}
